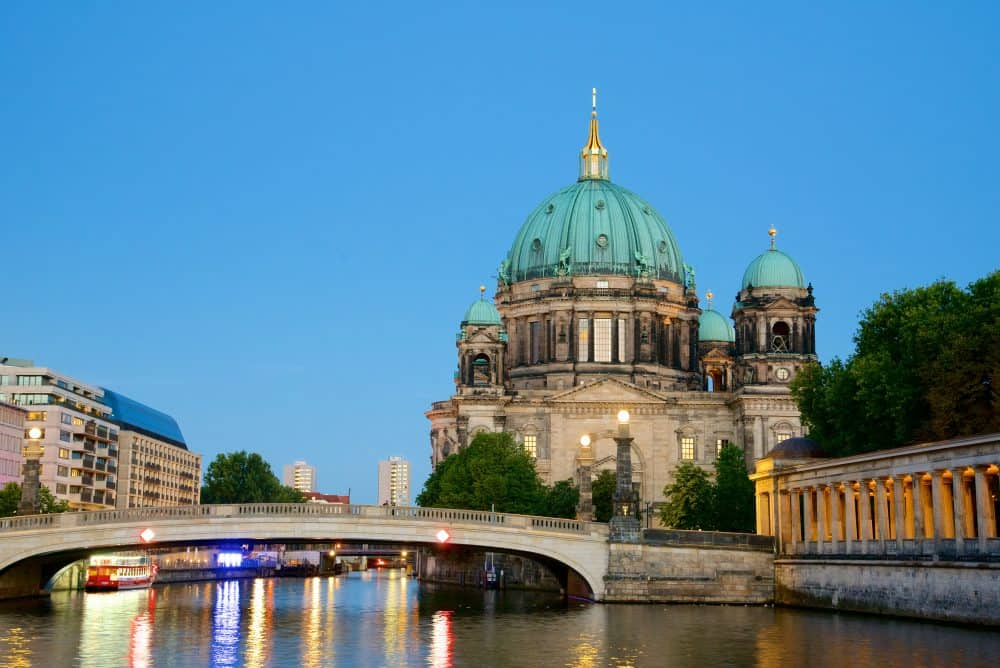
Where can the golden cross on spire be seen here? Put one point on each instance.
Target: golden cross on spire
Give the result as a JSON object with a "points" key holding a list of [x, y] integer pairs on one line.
{"points": [[708, 298], [593, 110], [482, 292], [772, 233]]}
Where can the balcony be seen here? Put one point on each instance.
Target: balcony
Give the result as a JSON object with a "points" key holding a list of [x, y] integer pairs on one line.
{"points": [[88, 479], [109, 484], [112, 468], [90, 446], [87, 495], [88, 462]]}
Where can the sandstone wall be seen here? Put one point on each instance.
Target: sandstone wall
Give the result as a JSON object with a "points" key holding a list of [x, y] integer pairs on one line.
{"points": [[945, 591], [645, 573]]}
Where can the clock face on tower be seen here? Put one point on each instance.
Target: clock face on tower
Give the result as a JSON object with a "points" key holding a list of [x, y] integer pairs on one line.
{"points": [[781, 374]]}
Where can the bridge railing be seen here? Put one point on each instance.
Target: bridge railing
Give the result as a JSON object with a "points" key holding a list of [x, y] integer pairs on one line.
{"points": [[70, 520]]}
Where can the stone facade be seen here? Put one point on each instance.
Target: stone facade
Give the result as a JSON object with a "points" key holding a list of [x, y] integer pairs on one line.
{"points": [[11, 437]]}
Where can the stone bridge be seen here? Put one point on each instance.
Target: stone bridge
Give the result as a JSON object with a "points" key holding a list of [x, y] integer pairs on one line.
{"points": [[34, 548]]}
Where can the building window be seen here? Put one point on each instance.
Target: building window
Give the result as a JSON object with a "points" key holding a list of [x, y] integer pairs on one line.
{"points": [[621, 339], [75, 473], [602, 284], [37, 416], [62, 471], [719, 444], [60, 488], [29, 380], [535, 333], [687, 448], [4, 380], [63, 453], [783, 436], [77, 421], [65, 436], [602, 340], [531, 445], [583, 341]]}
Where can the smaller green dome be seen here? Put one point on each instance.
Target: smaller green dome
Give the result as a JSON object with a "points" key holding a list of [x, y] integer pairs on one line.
{"points": [[482, 312], [713, 326], [774, 269]]}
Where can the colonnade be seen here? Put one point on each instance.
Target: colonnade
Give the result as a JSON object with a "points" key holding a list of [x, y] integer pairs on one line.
{"points": [[885, 505]]}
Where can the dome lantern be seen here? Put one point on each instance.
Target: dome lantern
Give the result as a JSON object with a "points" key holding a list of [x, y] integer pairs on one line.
{"points": [[594, 157]]}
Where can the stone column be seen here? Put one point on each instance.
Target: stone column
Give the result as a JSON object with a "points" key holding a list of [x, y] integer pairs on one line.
{"points": [[958, 503], [760, 437], [937, 500], [796, 519], [899, 511], [917, 496], [850, 517], [864, 505], [985, 513], [881, 513], [808, 519], [836, 521], [822, 508]]}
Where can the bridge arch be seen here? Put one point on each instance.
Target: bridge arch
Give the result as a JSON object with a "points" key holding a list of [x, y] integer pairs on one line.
{"points": [[34, 548]]}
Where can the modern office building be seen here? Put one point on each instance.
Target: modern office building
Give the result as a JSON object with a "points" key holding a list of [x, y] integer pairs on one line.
{"points": [[11, 437], [394, 482], [156, 467], [100, 450], [597, 310], [79, 442], [300, 476]]}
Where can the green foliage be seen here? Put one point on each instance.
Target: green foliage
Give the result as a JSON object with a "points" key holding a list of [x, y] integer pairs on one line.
{"points": [[689, 499], [925, 367], [734, 492], [494, 472], [10, 499], [242, 477], [602, 491], [561, 500]]}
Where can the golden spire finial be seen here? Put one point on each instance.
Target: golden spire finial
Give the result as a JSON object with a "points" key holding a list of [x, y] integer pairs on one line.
{"points": [[482, 291], [708, 298], [593, 157], [772, 233]]}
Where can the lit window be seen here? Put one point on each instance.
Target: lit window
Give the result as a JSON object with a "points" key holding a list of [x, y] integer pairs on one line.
{"points": [[602, 340], [602, 284], [37, 416], [783, 436], [583, 341], [621, 340], [531, 445], [75, 473], [719, 444], [687, 447], [77, 421]]}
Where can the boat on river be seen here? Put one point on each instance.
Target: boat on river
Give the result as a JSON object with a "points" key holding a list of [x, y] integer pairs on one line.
{"points": [[113, 572]]}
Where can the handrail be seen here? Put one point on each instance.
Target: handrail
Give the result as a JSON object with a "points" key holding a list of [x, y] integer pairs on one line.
{"points": [[71, 520]]}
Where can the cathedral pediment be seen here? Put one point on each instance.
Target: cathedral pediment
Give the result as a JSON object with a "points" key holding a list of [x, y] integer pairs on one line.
{"points": [[481, 336], [608, 390], [717, 355]]}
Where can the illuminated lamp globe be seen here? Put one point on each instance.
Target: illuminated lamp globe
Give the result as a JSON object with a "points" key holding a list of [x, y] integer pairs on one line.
{"points": [[34, 432], [585, 440], [623, 416]]}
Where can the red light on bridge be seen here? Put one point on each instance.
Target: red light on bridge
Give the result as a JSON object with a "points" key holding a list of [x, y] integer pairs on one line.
{"points": [[443, 536], [147, 535]]}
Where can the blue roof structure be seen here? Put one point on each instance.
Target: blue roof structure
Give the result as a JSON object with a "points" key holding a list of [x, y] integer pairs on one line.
{"points": [[130, 414]]}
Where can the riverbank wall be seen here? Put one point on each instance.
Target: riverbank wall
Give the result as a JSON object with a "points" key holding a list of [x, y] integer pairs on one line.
{"points": [[691, 567], [465, 567], [960, 592]]}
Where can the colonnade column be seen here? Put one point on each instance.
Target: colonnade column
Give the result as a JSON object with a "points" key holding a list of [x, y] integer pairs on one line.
{"points": [[985, 512], [899, 510], [917, 494], [793, 495], [958, 502], [808, 519], [821, 517], [881, 513], [836, 521], [850, 517], [864, 504], [937, 502]]}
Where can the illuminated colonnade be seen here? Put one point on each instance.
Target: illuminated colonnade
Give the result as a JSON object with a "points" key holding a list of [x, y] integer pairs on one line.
{"points": [[933, 499]]}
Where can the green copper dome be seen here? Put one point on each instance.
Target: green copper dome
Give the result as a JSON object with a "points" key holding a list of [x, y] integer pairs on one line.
{"points": [[713, 326], [482, 312], [772, 268], [594, 227]]}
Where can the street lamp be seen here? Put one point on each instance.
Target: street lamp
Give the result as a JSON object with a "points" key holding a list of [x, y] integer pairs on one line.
{"points": [[624, 521], [584, 460], [30, 484]]}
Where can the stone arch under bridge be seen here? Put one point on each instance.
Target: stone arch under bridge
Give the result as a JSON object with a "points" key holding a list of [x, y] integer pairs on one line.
{"points": [[34, 548]]}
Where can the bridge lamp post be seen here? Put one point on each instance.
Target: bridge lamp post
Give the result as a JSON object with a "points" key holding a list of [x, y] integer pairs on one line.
{"points": [[30, 484], [584, 461], [624, 521]]}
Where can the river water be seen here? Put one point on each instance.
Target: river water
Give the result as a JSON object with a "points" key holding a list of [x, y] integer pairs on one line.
{"points": [[385, 619]]}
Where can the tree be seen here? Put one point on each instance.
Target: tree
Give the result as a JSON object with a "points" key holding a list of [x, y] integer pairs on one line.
{"points": [[10, 499], [734, 492], [561, 500], [242, 477], [689, 499], [924, 368], [493, 472], [602, 491]]}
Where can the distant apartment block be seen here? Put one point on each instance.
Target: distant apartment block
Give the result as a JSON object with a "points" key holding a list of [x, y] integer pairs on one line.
{"points": [[80, 428], [300, 476], [11, 436], [394, 482], [156, 467]]}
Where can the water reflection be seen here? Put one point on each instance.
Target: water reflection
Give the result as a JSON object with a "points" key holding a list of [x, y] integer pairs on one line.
{"points": [[226, 624], [386, 619]]}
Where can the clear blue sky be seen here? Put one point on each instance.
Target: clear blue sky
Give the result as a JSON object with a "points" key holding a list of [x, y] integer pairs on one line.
{"points": [[267, 219]]}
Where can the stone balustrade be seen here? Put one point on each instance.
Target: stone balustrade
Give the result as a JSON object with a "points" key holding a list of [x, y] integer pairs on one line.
{"points": [[930, 501]]}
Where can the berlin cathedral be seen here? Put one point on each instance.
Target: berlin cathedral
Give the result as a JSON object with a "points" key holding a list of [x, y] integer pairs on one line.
{"points": [[595, 311]]}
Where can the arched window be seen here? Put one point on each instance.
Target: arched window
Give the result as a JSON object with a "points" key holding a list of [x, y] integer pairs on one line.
{"points": [[481, 370], [779, 337]]}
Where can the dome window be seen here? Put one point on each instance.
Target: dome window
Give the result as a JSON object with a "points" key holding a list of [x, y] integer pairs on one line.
{"points": [[600, 205], [602, 241], [550, 208], [662, 246], [536, 245]]}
